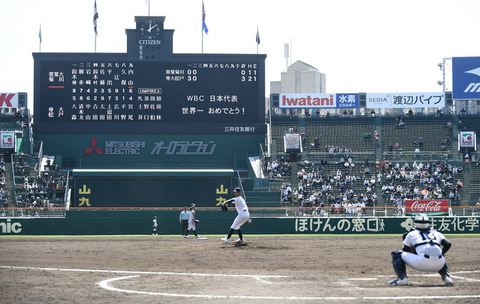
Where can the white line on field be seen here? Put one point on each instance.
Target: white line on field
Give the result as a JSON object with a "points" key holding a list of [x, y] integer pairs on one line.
{"points": [[105, 284], [136, 274], [452, 274], [258, 277]]}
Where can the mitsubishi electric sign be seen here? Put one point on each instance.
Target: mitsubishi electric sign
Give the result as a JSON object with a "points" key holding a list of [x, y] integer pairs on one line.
{"points": [[173, 147], [466, 77]]}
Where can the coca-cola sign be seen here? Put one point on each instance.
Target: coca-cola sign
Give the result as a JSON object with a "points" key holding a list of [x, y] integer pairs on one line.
{"points": [[426, 206]]}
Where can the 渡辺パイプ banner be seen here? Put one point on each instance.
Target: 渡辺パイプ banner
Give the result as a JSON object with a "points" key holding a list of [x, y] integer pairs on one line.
{"points": [[405, 100]]}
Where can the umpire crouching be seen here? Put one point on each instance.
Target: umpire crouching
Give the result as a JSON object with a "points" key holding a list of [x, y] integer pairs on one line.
{"points": [[184, 221]]}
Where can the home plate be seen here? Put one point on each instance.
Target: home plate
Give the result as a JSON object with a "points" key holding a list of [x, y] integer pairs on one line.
{"points": [[202, 238]]}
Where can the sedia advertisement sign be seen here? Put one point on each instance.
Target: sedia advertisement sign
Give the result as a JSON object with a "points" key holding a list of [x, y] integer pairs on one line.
{"points": [[405, 100]]}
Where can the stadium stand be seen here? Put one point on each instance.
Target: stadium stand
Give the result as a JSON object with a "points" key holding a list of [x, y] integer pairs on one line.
{"points": [[389, 173], [345, 159], [354, 134], [432, 130], [474, 183], [35, 190]]}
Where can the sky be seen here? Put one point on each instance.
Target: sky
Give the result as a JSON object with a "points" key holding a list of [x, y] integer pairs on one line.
{"points": [[373, 46]]}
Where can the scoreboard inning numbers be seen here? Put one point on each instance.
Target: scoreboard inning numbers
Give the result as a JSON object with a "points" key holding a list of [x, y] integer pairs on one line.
{"points": [[122, 96]]}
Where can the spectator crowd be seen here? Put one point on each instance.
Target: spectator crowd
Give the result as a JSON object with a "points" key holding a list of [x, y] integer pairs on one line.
{"points": [[343, 187]]}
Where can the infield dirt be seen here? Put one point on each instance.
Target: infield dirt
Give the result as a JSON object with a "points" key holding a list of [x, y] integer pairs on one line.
{"points": [[277, 269]]}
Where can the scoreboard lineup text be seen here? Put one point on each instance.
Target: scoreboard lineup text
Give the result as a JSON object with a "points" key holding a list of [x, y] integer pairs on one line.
{"points": [[227, 94]]}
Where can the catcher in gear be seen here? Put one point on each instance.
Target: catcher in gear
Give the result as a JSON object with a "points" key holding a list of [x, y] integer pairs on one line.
{"points": [[424, 249], [242, 217], [192, 221]]}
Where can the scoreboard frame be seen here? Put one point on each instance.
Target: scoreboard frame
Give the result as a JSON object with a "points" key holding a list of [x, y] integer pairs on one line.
{"points": [[217, 75]]}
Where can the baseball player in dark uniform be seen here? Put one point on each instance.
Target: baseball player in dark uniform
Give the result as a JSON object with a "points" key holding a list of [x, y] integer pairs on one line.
{"points": [[424, 249], [184, 216]]}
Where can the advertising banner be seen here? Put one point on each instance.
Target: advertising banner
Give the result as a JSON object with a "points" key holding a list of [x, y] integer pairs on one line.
{"points": [[110, 222], [318, 101], [405, 100], [467, 140], [7, 140], [8, 100], [466, 77], [292, 143], [433, 207]]}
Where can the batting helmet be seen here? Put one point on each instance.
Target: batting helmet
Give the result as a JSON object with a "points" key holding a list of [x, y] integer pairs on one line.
{"points": [[237, 189], [421, 221]]}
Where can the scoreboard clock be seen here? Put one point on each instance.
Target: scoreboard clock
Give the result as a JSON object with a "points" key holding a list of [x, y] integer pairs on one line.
{"points": [[149, 36], [149, 29]]}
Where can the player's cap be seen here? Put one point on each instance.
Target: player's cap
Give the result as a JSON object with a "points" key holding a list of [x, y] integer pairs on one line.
{"points": [[193, 205], [237, 189], [421, 221]]}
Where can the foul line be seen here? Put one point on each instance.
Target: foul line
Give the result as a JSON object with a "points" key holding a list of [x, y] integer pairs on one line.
{"points": [[261, 278]]}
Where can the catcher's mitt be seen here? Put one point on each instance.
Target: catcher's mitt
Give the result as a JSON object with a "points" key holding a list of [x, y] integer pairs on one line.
{"points": [[224, 207]]}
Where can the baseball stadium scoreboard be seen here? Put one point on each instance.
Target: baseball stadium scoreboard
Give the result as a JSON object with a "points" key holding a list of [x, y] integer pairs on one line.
{"points": [[149, 89], [149, 108]]}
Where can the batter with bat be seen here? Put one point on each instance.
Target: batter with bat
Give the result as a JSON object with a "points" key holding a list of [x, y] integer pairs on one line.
{"points": [[424, 249], [242, 217]]}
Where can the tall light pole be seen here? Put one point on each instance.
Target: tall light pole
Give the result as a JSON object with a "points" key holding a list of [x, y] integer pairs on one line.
{"points": [[442, 83], [442, 67]]}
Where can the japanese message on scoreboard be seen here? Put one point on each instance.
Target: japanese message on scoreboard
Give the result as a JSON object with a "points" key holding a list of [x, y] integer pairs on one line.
{"points": [[164, 96]]}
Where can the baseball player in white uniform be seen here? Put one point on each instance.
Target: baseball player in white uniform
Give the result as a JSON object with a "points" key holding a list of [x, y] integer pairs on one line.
{"points": [[424, 250], [242, 217], [191, 222], [155, 225]]}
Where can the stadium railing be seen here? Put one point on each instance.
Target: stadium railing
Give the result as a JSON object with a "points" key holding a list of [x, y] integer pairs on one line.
{"points": [[256, 212]]}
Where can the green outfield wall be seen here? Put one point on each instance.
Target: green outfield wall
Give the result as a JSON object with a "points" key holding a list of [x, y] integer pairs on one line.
{"points": [[87, 222]]}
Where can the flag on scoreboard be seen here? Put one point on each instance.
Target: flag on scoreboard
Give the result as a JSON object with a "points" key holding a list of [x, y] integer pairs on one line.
{"points": [[257, 39], [95, 17], [204, 25], [40, 33]]}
